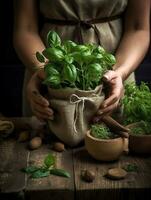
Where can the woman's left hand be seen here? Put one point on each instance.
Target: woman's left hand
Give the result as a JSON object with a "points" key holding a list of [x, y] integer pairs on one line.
{"points": [[116, 90]]}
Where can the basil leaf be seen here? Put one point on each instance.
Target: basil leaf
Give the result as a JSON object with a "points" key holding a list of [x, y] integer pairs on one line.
{"points": [[110, 59], [69, 73], [40, 173], [53, 54], [68, 59], [69, 46], [49, 160], [77, 57], [53, 80], [100, 50], [81, 48], [60, 172], [94, 72], [53, 39], [98, 56], [50, 70], [30, 169], [40, 57]]}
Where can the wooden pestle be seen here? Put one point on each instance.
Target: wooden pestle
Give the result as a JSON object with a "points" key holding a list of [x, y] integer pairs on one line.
{"points": [[115, 126]]}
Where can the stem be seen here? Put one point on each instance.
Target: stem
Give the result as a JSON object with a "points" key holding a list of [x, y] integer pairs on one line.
{"points": [[86, 79], [83, 81]]}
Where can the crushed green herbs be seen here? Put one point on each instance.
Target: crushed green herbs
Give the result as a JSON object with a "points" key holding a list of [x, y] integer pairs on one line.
{"points": [[137, 103], [101, 131], [131, 168], [46, 169], [143, 128], [67, 64]]}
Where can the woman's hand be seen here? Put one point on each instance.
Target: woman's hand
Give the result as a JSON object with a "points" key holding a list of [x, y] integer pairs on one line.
{"points": [[39, 104], [114, 83]]}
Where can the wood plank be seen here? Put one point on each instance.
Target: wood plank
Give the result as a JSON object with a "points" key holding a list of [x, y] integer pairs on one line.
{"points": [[136, 185], [52, 187], [13, 157]]}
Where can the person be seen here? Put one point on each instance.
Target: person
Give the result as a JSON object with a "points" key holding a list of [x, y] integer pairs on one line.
{"points": [[122, 28]]}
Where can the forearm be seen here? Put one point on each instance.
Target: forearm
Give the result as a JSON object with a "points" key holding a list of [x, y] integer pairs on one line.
{"points": [[131, 51], [26, 44]]}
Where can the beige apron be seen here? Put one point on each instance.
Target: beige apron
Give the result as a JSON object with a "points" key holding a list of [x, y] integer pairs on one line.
{"points": [[110, 31]]}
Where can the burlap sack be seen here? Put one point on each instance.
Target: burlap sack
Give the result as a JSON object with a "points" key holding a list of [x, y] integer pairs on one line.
{"points": [[6, 128], [73, 110]]}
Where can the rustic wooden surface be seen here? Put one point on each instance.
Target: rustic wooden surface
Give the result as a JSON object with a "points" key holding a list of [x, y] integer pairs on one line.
{"points": [[52, 187], [13, 157], [16, 185], [136, 185]]}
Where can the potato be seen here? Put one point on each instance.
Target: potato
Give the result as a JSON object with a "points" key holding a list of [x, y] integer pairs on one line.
{"points": [[35, 143], [58, 146]]}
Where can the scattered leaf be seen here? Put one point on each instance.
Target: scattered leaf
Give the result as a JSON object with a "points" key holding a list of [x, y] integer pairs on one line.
{"points": [[60, 172], [49, 160]]}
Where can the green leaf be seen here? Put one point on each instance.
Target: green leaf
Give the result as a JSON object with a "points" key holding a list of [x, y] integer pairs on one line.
{"points": [[49, 160], [40, 173], [69, 46], [69, 59], [110, 59], [40, 57], [69, 73], [95, 72], [52, 80], [137, 103], [53, 39], [77, 57], [131, 168], [53, 54], [50, 70], [30, 169], [81, 48], [60, 172], [100, 50], [101, 131]]}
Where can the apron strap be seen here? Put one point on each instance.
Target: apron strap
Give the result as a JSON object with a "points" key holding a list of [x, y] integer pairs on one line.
{"points": [[85, 24]]}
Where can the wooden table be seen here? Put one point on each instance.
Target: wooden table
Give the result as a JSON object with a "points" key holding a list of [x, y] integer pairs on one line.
{"points": [[14, 184]]}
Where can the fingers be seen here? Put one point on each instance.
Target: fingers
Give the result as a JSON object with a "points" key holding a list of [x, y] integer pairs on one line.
{"points": [[109, 101], [99, 117], [40, 105], [116, 90], [43, 109], [109, 109], [41, 114], [39, 99], [109, 75]]}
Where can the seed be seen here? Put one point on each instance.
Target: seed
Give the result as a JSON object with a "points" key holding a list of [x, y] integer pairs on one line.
{"points": [[23, 136], [87, 175], [116, 173]]}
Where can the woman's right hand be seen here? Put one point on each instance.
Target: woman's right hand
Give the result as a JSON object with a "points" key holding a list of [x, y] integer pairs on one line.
{"points": [[39, 104]]}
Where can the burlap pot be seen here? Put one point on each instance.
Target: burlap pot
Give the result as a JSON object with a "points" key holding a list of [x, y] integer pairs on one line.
{"points": [[73, 110]]}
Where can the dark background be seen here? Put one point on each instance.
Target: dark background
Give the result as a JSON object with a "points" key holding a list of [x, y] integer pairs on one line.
{"points": [[12, 71]]}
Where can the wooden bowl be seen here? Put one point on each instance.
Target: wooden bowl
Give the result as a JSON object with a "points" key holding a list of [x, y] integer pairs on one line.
{"points": [[139, 144], [104, 149]]}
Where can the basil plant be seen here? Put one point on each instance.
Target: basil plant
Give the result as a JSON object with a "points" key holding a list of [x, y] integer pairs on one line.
{"points": [[73, 65]]}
